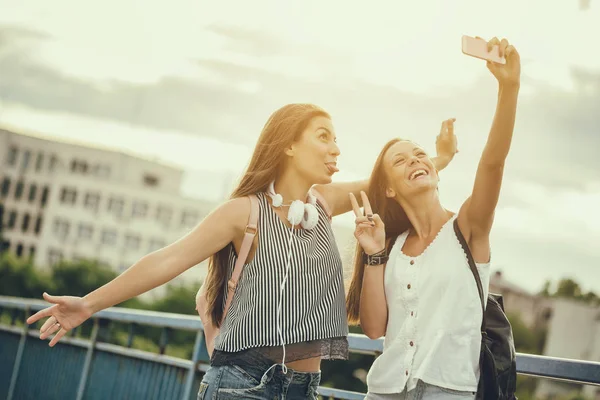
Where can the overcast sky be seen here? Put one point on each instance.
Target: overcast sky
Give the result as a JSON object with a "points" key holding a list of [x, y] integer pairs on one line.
{"points": [[193, 84]]}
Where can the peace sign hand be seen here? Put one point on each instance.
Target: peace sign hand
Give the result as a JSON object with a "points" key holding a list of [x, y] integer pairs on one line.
{"points": [[370, 230]]}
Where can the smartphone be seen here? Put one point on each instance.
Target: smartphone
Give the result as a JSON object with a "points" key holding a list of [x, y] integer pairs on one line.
{"points": [[478, 48]]}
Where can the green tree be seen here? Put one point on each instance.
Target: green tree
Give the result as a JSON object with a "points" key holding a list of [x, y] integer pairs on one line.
{"points": [[179, 298], [525, 338], [568, 288], [1, 227], [591, 298], [546, 289], [20, 278], [78, 278]]}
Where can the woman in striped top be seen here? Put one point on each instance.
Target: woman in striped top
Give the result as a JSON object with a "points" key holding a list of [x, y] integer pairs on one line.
{"points": [[288, 309]]}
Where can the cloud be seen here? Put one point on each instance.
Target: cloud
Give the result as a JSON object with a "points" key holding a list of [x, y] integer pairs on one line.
{"points": [[249, 41], [11, 34], [556, 137]]}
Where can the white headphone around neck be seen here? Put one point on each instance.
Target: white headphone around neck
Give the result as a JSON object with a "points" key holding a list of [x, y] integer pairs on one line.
{"points": [[305, 214]]}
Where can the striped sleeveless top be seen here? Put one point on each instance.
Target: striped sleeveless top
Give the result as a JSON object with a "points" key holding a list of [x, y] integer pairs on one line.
{"points": [[313, 311]]}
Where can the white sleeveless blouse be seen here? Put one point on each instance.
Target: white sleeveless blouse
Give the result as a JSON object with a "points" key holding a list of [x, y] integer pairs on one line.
{"points": [[434, 318]]}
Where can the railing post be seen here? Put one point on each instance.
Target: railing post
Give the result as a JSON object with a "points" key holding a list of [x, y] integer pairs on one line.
{"points": [[189, 382], [164, 340], [88, 360], [20, 350], [13, 316], [131, 335]]}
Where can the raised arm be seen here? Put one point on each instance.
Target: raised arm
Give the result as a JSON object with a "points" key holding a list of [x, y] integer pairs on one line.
{"points": [[477, 213], [217, 230], [336, 194]]}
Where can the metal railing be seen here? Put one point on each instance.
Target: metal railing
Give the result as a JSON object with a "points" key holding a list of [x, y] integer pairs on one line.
{"points": [[96, 369]]}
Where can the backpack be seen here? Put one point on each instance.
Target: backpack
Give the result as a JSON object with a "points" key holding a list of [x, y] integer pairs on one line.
{"points": [[497, 358], [211, 331]]}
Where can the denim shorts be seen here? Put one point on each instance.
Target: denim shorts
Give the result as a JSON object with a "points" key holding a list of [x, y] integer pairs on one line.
{"points": [[258, 382], [425, 391]]}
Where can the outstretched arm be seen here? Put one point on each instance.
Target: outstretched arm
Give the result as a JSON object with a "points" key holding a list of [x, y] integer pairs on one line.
{"points": [[477, 213], [217, 230], [212, 234], [336, 194]]}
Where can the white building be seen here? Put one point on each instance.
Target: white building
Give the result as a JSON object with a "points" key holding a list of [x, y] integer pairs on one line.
{"points": [[574, 333], [67, 201]]}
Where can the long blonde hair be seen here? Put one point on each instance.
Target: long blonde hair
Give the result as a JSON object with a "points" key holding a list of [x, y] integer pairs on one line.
{"points": [[282, 128]]}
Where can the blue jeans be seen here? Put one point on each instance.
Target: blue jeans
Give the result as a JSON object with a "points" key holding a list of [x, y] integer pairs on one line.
{"points": [[258, 382]]}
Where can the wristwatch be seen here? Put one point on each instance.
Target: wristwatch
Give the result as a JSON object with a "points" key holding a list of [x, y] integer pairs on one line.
{"points": [[378, 258]]}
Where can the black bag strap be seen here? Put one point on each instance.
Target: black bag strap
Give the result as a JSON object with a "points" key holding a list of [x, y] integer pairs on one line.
{"points": [[467, 251]]}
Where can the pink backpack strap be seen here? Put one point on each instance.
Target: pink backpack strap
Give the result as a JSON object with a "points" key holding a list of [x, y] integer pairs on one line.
{"points": [[323, 202], [249, 234]]}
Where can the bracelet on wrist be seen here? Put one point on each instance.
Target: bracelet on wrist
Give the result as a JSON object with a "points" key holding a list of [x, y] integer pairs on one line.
{"points": [[378, 258]]}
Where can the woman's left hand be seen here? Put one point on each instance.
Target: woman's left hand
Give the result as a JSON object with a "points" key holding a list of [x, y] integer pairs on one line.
{"points": [[508, 74], [445, 143], [370, 230]]}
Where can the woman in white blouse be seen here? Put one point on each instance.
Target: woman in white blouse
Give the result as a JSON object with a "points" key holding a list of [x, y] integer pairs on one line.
{"points": [[412, 282]]}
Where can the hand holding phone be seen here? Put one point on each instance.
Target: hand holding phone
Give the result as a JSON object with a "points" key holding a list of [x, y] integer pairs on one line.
{"points": [[477, 48]]}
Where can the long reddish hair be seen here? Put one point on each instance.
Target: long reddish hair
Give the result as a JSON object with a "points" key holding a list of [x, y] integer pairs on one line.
{"points": [[395, 220], [282, 128]]}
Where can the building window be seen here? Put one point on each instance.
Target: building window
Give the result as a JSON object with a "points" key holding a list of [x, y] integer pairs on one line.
{"points": [[38, 225], [32, 251], [53, 163], [61, 227], [132, 242], [5, 186], [19, 250], [140, 209], [189, 218], [102, 171], [19, 190], [25, 223], [92, 200], [12, 220], [79, 166], [54, 256], [68, 195], [32, 192], [109, 236], [25, 160], [116, 206], [156, 244], [86, 231], [164, 214], [39, 162], [150, 180], [44, 198], [13, 154], [4, 246]]}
